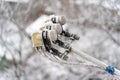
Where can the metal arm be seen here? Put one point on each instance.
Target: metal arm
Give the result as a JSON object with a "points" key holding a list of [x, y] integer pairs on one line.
{"points": [[111, 70]]}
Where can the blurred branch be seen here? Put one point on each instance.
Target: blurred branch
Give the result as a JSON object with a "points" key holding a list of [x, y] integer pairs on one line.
{"points": [[18, 70], [111, 36], [17, 1], [21, 28]]}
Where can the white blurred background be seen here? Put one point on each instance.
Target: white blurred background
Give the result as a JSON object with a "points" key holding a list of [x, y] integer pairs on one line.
{"points": [[97, 22]]}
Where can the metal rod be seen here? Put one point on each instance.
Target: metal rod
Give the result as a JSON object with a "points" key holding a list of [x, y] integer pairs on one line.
{"points": [[93, 60]]}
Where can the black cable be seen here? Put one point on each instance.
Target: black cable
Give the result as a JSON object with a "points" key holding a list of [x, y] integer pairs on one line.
{"points": [[48, 46], [60, 43], [67, 34], [46, 41], [53, 20]]}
